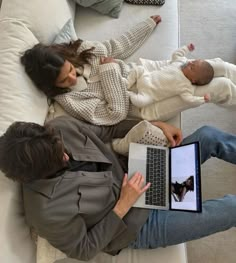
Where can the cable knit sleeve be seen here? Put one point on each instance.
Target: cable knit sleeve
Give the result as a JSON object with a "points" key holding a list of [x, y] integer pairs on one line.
{"points": [[115, 91], [129, 42]]}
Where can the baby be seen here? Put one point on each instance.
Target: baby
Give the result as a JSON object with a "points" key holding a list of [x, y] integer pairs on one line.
{"points": [[178, 76]]}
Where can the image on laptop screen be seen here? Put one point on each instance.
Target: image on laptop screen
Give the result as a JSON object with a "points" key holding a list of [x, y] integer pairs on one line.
{"points": [[185, 192]]}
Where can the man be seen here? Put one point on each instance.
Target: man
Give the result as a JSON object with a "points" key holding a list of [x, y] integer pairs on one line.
{"points": [[77, 196]]}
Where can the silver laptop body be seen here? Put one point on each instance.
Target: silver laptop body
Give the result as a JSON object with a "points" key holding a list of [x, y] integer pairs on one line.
{"points": [[138, 162]]}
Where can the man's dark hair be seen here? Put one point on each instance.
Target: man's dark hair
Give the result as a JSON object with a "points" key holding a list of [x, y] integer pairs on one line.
{"points": [[29, 151]]}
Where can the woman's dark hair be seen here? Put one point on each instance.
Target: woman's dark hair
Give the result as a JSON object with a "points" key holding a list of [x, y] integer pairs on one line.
{"points": [[43, 64], [29, 151]]}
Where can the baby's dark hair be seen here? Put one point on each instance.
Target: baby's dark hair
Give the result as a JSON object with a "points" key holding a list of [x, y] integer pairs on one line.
{"points": [[43, 64], [206, 74]]}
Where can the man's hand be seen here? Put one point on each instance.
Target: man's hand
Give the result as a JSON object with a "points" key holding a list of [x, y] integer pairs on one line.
{"points": [[156, 18], [130, 192], [173, 134], [105, 60]]}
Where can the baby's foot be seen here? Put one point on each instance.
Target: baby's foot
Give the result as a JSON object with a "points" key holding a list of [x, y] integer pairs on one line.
{"points": [[156, 19]]}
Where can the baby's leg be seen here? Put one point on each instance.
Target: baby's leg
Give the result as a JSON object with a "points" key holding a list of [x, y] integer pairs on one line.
{"points": [[162, 110]]}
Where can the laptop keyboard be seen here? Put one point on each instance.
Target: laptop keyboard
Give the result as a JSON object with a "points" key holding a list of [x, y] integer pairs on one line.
{"points": [[156, 175]]}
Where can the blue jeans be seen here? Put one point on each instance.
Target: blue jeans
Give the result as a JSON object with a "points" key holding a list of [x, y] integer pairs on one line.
{"points": [[165, 228]]}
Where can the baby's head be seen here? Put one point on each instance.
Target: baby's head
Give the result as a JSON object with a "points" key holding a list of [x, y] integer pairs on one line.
{"points": [[199, 72]]}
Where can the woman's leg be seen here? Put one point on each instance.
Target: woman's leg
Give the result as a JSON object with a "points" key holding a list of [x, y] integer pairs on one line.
{"points": [[165, 228], [214, 143]]}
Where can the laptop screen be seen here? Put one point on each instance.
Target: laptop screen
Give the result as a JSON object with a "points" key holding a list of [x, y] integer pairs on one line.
{"points": [[185, 172]]}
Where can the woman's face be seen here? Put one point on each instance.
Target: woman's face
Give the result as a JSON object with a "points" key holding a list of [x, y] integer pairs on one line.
{"points": [[67, 76]]}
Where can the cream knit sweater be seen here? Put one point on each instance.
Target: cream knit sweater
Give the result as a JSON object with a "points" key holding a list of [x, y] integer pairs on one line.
{"points": [[103, 99]]}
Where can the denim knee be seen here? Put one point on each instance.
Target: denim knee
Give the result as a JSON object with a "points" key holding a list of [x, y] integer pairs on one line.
{"points": [[207, 134], [216, 143]]}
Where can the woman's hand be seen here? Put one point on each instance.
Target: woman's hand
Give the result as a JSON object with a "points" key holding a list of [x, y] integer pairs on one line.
{"points": [[105, 60], [131, 190], [156, 18], [173, 134]]}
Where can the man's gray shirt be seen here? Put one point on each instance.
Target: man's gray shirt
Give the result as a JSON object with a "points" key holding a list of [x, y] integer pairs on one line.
{"points": [[74, 210]]}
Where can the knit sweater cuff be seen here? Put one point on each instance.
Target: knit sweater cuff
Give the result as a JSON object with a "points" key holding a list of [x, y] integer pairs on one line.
{"points": [[151, 22], [109, 66]]}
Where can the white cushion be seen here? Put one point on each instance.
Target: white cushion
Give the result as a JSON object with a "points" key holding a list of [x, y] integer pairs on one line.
{"points": [[15, 240], [47, 254], [19, 99], [43, 18], [66, 34]]}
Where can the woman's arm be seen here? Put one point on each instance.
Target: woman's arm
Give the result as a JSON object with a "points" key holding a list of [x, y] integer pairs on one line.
{"points": [[115, 94], [125, 45]]}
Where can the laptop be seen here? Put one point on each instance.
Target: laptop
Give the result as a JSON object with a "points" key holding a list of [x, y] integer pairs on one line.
{"points": [[174, 174]]}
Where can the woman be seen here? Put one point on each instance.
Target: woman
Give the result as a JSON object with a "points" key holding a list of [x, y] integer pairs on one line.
{"points": [[88, 79]]}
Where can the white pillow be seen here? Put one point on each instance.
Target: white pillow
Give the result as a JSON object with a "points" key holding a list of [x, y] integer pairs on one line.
{"points": [[144, 132], [66, 34], [46, 253]]}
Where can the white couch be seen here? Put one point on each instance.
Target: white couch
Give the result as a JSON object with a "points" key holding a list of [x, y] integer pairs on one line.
{"points": [[25, 23]]}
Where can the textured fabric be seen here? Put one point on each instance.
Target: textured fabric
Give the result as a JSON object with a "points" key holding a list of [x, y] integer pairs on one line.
{"points": [[106, 102], [144, 132], [106, 7], [166, 228], [146, 2]]}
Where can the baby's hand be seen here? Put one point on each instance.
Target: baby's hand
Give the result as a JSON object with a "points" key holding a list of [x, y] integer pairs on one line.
{"points": [[207, 97], [191, 47], [156, 18], [105, 60]]}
